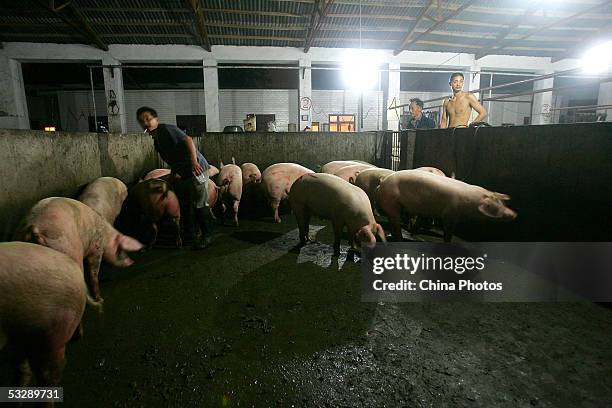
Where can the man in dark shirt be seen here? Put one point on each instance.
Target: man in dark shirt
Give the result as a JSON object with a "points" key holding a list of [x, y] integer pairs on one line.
{"points": [[418, 120], [179, 151]]}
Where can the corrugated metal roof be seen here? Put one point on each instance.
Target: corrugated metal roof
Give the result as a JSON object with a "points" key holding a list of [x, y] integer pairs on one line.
{"points": [[372, 23]]}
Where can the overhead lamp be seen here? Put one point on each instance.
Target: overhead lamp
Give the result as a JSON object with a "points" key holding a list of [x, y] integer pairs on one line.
{"points": [[598, 59], [360, 69]]}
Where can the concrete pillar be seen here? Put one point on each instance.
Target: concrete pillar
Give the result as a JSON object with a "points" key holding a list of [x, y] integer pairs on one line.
{"points": [[605, 98], [541, 113], [13, 103], [211, 95], [393, 96], [305, 92], [115, 99]]}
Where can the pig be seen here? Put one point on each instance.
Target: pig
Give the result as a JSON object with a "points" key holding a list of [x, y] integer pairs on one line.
{"points": [[71, 227], [250, 174], [432, 170], [230, 175], [212, 171], [105, 196], [277, 180], [425, 194], [334, 166], [330, 197], [155, 200], [369, 180], [157, 173], [349, 173], [42, 303]]}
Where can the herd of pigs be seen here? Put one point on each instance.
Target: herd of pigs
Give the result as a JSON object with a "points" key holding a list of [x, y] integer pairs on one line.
{"points": [[50, 271]]}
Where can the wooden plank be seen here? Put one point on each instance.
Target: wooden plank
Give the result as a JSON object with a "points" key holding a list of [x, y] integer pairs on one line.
{"points": [[319, 13], [196, 6]]}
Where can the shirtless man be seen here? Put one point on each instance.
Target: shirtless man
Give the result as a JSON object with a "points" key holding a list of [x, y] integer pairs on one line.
{"points": [[458, 108]]}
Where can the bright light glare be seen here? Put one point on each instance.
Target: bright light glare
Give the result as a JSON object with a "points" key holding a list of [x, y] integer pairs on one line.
{"points": [[598, 58], [360, 69]]}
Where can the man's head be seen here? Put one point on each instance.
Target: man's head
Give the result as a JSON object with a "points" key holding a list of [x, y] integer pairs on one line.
{"points": [[147, 117], [416, 107], [456, 82]]}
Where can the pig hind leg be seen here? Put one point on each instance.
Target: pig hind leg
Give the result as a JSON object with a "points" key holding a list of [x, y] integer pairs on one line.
{"points": [[394, 212], [177, 226], [275, 203], [236, 207], [338, 228], [92, 269], [47, 366], [14, 367], [303, 220]]}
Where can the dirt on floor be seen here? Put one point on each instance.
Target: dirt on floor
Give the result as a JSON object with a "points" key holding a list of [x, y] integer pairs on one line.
{"points": [[257, 321]]}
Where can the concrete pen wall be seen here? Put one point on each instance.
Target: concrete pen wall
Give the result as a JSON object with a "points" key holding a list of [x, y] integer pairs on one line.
{"points": [[35, 165]]}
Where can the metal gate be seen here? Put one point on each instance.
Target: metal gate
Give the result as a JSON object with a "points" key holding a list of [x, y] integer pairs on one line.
{"points": [[397, 150]]}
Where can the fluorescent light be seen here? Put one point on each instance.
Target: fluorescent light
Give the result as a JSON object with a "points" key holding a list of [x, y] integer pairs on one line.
{"points": [[360, 68], [598, 59], [49, 128]]}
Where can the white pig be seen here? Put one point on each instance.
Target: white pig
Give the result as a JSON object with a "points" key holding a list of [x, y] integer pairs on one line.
{"points": [[105, 196], [76, 230], [277, 180], [426, 194], [328, 196], [42, 301]]}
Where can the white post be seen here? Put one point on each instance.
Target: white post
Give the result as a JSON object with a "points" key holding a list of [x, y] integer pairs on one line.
{"points": [[473, 83], [115, 99], [605, 98], [211, 95], [541, 113], [393, 96], [305, 92], [13, 103]]}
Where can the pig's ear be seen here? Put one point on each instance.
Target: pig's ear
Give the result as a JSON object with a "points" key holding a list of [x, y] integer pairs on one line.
{"points": [[233, 160], [220, 163], [501, 196], [381, 233], [488, 208], [129, 244]]}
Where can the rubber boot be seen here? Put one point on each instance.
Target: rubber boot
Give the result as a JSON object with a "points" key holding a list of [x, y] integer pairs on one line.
{"points": [[205, 222]]}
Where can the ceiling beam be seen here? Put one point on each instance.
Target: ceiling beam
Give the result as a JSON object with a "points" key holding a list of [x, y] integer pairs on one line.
{"points": [[90, 32], [319, 13], [198, 13], [422, 14], [509, 43], [412, 41], [84, 28], [506, 31]]}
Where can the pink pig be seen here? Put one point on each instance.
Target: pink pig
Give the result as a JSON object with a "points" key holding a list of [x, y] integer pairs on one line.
{"points": [[71, 227], [42, 303], [425, 194], [277, 180], [155, 200]]}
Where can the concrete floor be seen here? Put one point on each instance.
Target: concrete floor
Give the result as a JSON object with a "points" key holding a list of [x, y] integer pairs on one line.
{"points": [[254, 322]]}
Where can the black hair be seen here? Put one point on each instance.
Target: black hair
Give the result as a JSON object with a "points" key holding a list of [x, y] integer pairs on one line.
{"points": [[418, 102], [455, 74], [144, 109]]}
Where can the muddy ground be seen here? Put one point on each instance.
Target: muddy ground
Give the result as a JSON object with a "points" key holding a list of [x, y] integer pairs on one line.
{"points": [[254, 321]]}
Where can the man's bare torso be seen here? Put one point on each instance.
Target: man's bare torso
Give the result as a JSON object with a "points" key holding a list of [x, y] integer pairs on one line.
{"points": [[458, 109]]}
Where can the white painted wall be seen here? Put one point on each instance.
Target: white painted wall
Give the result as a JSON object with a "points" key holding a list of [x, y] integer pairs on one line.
{"points": [[508, 112], [168, 103], [75, 108], [327, 102], [235, 104]]}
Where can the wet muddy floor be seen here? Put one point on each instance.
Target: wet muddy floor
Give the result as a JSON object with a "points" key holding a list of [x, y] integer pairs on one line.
{"points": [[255, 321]]}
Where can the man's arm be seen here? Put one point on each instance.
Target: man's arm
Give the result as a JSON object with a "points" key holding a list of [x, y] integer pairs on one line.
{"points": [[444, 120], [477, 106], [195, 166]]}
